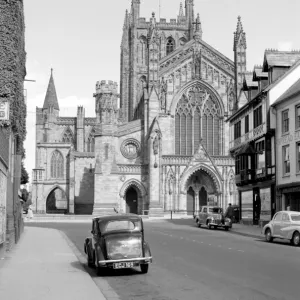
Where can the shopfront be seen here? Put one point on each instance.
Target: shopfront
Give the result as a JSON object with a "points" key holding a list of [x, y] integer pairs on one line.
{"points": [[289, 196], [257, 205]]}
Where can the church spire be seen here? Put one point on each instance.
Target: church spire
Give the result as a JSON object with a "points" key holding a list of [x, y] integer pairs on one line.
{"points": [[181, 10], [51, 97], [240, 57]]}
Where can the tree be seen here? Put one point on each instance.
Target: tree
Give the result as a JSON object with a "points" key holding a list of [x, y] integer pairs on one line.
{"points": [[24, 175]]}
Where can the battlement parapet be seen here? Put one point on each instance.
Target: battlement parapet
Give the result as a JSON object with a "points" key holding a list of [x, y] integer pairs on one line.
{"points": [[106, 87]]}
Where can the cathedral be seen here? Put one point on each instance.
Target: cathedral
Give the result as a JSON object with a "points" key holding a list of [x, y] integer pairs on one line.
{"points": [[160, 140]]}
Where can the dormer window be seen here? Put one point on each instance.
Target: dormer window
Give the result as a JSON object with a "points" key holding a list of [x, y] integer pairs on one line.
{"points": [[170, 45]]}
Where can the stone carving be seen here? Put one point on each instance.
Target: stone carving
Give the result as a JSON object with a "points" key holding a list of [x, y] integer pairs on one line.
{"points": [[131, 149], [122, 178], [163, 94]]}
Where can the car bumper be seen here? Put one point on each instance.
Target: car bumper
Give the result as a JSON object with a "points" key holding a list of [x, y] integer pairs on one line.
{"points": [[139, 260], [219, 224]]}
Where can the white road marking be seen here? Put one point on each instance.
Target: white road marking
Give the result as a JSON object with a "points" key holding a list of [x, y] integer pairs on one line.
{"points": [[241, 251], [229, 248]]}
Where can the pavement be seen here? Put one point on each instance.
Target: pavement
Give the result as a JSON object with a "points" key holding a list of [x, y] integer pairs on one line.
{"points": [[43, 266]]}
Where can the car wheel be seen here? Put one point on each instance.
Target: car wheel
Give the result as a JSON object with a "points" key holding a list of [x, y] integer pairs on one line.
{"points": [[226, 228], [98, 269], [90, 261], [144, 268], [198, 223], [208, 225], [268, 235], [296, 239]]}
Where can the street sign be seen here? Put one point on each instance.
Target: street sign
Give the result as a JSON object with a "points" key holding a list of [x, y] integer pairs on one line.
{"points": [[4, 110]]}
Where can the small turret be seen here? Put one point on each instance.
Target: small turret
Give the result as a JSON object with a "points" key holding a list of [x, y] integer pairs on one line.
{"points": [[80, 128], [107, 107]]}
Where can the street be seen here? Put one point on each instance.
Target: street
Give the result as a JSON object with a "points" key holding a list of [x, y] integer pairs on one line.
{"points": [[197, 263]]}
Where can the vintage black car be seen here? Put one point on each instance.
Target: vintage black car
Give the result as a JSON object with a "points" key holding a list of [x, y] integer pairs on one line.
{"points": [[117, 242]]}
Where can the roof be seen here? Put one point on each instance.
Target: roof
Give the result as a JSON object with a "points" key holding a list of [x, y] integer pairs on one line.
{"points": [[292, 91], [258, 73], [280, 58], [117, 217], [51, 97], [248, 82]]}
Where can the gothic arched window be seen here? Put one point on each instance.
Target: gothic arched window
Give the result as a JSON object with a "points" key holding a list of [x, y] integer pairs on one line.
{"points": [[90, 144], [68, 136], [170, 45], [142, 51], [57, 165], [197, 116]]}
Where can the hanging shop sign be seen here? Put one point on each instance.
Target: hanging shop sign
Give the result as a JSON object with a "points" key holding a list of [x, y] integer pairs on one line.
{"points": [[4, 110]]}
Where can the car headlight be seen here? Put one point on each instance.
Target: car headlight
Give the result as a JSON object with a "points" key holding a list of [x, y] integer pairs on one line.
{"points": [[212, 219]]}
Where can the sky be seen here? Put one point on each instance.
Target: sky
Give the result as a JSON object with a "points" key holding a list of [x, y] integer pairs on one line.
{"points": [[81, 41]]}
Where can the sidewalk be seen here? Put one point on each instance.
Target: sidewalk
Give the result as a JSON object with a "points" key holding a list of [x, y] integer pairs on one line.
{"points": [[247, 230], [43, 266]]}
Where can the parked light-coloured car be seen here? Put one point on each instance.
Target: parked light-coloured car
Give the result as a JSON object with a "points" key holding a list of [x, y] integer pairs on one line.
{"points": [[284, 225]]}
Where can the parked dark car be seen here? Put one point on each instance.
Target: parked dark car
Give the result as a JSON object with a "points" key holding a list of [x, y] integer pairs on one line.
{"points": [[117, 242]]}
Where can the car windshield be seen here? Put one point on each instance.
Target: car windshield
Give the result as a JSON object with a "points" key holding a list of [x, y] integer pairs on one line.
{"points": [[295, 217], [215, 210]]}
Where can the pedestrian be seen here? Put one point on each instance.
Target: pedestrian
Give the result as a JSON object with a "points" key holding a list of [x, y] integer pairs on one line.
{"points": [[288, 208], [229, 212], [30, 212]]}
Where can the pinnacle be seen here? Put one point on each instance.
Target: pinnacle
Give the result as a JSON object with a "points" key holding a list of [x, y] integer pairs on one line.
{"points": [[51, 97], [181, 10], [239, 27]]}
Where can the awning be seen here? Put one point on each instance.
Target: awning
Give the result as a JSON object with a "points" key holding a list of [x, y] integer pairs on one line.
{"points": [[246, 149]]}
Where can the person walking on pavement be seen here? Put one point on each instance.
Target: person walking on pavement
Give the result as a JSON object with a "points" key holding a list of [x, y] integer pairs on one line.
{"points": [[229, 212]]}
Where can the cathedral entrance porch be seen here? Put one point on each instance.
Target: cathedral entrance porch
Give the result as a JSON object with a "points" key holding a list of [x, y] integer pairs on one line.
{"points": [[201, 191], [56, 202], [131, 199]]}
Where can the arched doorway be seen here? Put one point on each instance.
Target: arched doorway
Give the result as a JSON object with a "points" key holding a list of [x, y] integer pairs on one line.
{"points": [[131, 198], [190, 203], [56, 202], [202, 197]]}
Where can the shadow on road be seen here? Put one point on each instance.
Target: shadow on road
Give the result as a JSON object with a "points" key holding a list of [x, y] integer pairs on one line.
{"points": [[108, 272]]}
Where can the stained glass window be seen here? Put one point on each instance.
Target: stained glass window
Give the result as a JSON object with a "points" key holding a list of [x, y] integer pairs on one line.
{"points": [[91, 142], [57, 165], [68, 137], [197, 116]]}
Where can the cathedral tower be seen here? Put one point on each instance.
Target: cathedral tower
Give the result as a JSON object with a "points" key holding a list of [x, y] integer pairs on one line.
{"points": [[106, 143]]}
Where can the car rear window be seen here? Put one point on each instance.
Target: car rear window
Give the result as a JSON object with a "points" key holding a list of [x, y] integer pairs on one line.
{"points": [[119, 225], [215, 210], [295, 217]]}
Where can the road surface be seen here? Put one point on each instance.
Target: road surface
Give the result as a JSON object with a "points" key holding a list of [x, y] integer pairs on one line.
{"points": [[193, 263]]}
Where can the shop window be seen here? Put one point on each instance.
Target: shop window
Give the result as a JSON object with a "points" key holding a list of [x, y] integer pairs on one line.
{"points": [[247, 124], [286, 159], [257, 117], [261, 159], [298, 156], [285, 121], [297, 126]]}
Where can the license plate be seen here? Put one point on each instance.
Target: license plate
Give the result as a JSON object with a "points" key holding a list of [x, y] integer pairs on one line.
{"points": [[123, 265]]}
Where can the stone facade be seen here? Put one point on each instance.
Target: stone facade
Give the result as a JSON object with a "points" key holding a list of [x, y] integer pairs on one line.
{"points": [[164, 144]]}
